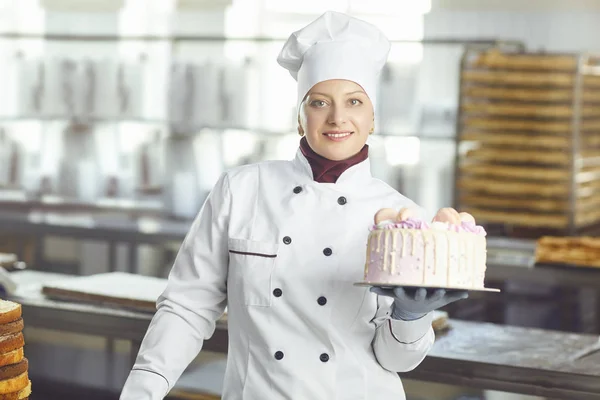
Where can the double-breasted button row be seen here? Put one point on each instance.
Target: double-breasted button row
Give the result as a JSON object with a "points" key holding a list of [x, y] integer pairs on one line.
{"points": [[341, 200], [323, 357], [327, 251], [277, 292]]}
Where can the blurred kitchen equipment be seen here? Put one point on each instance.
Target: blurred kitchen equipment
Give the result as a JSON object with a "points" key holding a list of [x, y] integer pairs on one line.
{"points": [[106, 88], [131, 89], [150, 165], [178, 102], [61, 87], [28, 86], [181, 189], [204, 84], [81, 89], [211, 94], [397, 110], [193, 96], [9, 161], [238, 93], [194, 162], [11, 262], [79, 172]]}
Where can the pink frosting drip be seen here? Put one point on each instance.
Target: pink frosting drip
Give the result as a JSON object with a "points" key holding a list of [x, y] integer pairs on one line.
{"points": [[473, 228], [419, 224]]}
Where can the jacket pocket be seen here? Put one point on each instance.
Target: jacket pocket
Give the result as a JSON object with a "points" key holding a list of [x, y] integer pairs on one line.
{"points": [[251, 265]]}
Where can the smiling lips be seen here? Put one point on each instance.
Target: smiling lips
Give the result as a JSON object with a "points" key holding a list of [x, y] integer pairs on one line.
{"points": [[337, 136]]}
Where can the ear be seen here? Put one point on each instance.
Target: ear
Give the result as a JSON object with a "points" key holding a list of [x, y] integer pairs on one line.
{"points": [[300, 129]]}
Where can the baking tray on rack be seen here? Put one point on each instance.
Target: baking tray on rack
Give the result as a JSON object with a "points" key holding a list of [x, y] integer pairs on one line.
{"points": [[523, 120]]}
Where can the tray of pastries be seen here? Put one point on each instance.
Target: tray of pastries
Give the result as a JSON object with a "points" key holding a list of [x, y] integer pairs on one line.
{"points": [[579, 251]]}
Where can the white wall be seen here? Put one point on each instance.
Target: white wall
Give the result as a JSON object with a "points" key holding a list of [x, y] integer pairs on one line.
{"points": [[572, 30], [540, 30]]}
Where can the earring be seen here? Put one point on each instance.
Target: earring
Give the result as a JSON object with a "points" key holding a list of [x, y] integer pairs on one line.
{"points": [[300, 131], [372, 130]]}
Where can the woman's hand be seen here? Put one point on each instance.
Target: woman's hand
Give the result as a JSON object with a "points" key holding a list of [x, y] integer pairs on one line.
{"points": [[411, 304]]}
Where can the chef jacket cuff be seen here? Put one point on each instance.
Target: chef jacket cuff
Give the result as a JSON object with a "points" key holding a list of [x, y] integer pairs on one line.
{"points": [[408, 332], [145, 384]]}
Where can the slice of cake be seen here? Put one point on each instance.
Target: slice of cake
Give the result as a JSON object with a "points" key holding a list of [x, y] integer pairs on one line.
{"points": [[446, 253], [22, 394], [9, 311], [14, 367]]}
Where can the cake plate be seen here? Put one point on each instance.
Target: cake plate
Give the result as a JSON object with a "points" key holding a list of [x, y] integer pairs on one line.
{"points": [[388, 285]]}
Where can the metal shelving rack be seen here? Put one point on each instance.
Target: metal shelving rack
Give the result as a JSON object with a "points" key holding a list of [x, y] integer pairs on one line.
{"points": [[211, 38], [176, 40], [528, 142]]}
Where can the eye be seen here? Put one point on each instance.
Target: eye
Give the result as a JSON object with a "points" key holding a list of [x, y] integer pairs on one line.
{"points": [[355, 102], [318, 103]]}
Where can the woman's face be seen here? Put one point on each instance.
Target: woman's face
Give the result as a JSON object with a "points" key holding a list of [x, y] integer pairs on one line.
{"points": [[336, 117]]}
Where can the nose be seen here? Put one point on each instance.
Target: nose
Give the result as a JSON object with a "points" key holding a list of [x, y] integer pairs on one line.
{"points": [[337, 115]]}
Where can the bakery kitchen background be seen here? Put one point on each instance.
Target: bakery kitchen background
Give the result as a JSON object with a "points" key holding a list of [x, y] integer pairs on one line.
{"points": [[117, 117]]}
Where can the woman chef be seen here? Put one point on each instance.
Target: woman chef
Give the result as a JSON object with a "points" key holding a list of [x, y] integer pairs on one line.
{"points": [[281, 243]]}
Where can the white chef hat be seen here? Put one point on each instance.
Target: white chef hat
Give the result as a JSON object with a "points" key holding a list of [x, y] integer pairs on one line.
{"points": [[335, 46]]}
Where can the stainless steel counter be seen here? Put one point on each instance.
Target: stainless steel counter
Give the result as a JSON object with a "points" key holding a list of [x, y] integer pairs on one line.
{"points": [[112, 229], [94, 226], [479, 355]]}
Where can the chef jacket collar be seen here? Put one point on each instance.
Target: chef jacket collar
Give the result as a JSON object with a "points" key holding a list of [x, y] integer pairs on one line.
{"points": [[326, 170], [353, 177]]}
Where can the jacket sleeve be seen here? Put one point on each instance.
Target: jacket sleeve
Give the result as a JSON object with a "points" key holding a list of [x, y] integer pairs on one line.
{"points": [[400, 346], [195, 297]]}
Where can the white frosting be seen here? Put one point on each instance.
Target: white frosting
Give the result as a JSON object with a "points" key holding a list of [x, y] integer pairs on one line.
{"points": [[439, 257], [440, 226]]}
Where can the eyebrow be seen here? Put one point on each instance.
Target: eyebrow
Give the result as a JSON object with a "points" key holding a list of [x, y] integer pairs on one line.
{"points": [[347, 94]]}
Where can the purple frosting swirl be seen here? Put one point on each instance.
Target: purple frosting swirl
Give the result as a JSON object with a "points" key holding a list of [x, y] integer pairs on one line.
{"points": [[406, 224], [412, 224], [473, 228]]}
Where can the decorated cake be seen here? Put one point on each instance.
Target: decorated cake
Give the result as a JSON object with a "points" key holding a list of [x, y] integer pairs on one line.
{"points": [[449, 252]]}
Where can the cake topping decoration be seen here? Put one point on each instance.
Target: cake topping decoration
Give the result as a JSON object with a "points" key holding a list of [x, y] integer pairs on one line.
{"points": [[436, 225]]}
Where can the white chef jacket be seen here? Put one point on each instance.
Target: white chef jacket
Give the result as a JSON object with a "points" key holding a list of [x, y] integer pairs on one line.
{"points": [[282, 252]]}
